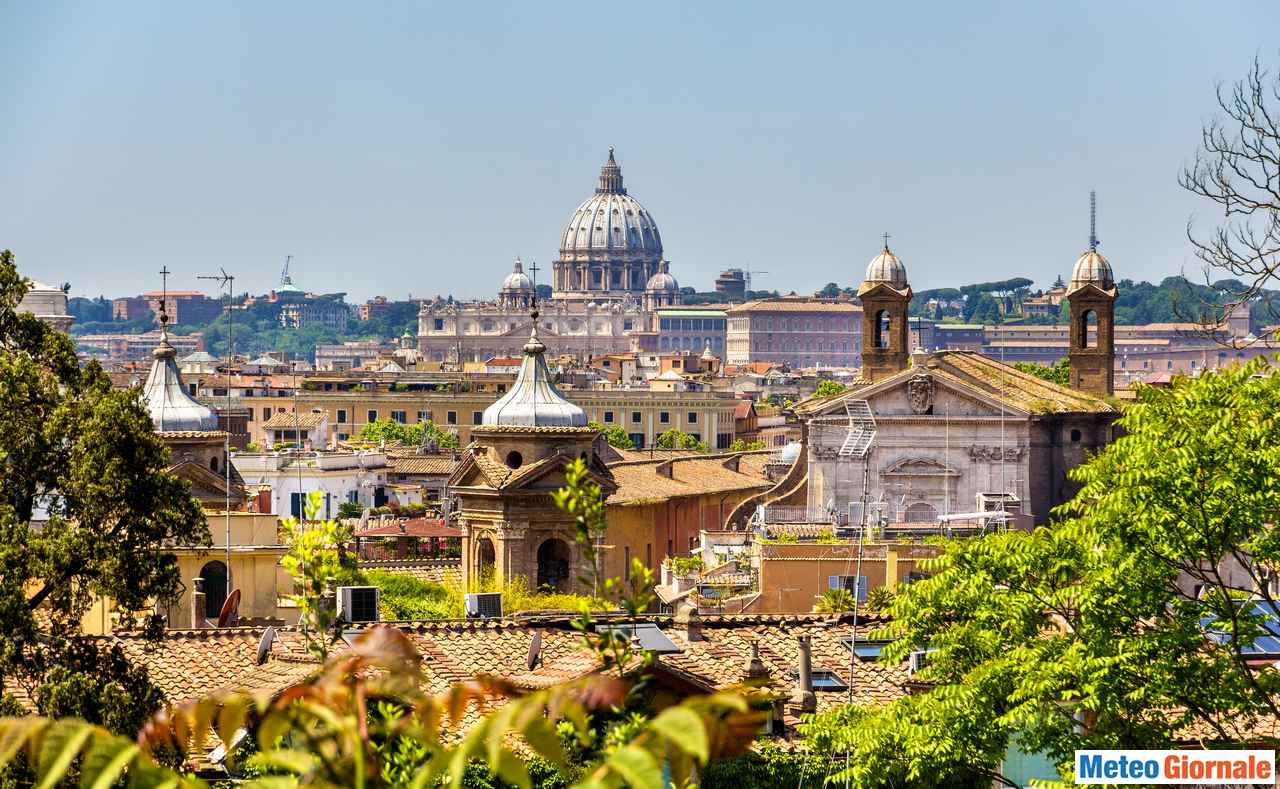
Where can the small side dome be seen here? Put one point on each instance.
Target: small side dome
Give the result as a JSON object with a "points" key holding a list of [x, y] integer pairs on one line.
{"points": [[662, 281], [1092, 269], [517, 279], [789, 453], [888, 269]]}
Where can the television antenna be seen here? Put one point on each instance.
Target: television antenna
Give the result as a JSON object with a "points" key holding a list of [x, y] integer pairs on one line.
{"points": [[227, 281]]}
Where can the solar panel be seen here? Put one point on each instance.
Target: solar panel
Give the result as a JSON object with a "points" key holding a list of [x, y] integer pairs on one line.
{"points": [[645, 635], [1267, 644]]}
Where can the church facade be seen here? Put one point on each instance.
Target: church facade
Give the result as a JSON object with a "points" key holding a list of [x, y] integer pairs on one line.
{"points": [[955, 432], [607, 280]]}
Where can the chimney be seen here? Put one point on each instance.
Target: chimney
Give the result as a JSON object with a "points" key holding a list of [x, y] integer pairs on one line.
{"points": [[198, 620], [688, 621], [755, 669], [802, 698]]}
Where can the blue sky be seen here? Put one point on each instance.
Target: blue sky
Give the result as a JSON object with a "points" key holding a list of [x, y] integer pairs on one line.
{"points": [[405, 148]]}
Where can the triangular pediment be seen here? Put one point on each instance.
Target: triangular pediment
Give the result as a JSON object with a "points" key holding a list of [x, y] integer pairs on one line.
{"points": [[208, 485], [1090, 290], [890, 396]]}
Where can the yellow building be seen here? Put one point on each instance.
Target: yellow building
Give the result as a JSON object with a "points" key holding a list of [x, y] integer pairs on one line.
{"points": [[256, 551]]}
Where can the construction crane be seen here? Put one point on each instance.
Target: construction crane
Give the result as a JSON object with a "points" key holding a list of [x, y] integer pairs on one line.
{"points": [[747, 275], [284, 272]]}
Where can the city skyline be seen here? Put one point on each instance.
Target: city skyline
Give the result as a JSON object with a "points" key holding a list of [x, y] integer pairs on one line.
{"points": [[209, 138]]}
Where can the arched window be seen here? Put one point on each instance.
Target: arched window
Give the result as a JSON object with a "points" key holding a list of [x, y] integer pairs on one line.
{"points": [[213, 464], [1088, 317], [486, 557], [215, 588], [880, 330], [553, 564]]}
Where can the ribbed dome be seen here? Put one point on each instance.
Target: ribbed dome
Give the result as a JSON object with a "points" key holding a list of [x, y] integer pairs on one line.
{"points": [[1092, 268], [517, 279], [887, 268], [533, 400], [171, 408], [662, 281], [611, 221]]}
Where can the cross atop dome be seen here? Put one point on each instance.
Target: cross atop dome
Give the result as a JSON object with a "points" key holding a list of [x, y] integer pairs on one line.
{"points": [[611, 177]]}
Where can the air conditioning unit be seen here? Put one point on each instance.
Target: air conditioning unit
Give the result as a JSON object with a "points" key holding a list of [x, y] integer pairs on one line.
{"points": [[483, 605], [358, 603], [916, 661]]}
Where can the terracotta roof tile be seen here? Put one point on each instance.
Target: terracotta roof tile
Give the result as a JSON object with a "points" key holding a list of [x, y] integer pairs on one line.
{"points": [[641, 483]]}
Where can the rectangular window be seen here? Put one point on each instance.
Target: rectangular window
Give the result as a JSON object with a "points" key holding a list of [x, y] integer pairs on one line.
{"points": [[854, 583], [477, 417], [664, 417], [626, 562], [666, 324], [637, 440], [250, 410], [693, 417], [438, 324], [295, 505], [451, 418], [343, 436], [398, 417], [635, 417], [823, 679], [608, 417], [648, 554], [266, 414], [342, 416], [424, 416], [372, 416]]}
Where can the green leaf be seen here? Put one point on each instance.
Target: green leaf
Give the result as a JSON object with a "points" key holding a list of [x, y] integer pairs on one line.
{"points": [[105, 761], [510, 769], [684, 729], [60, 747], [14, 733], [542, 737], [290, 759], [636, 766]]}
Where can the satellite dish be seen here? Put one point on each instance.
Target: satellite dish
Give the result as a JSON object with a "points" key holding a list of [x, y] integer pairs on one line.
{"points": [[229, 608], [264, 644], [535, 650]]}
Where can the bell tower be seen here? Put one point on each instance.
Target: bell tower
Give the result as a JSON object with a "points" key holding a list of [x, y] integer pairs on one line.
{"points": [[884, 294], [1091, 297]]}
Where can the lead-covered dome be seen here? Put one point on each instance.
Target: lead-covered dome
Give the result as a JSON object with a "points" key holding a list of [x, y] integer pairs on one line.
{"points": [[517, 279], [1092, 268], [888, 269], [662, 281], [610, 222]]}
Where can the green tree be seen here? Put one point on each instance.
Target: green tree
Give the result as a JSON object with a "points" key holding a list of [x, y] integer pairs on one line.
{"points": [[829, 291], [87, 455], [675, 438], [410, 435], [828, 388], [1119, 615], [742, 445], [614, 434], [834, 601], [367, 720], [316, 558], [1059, 373]]}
